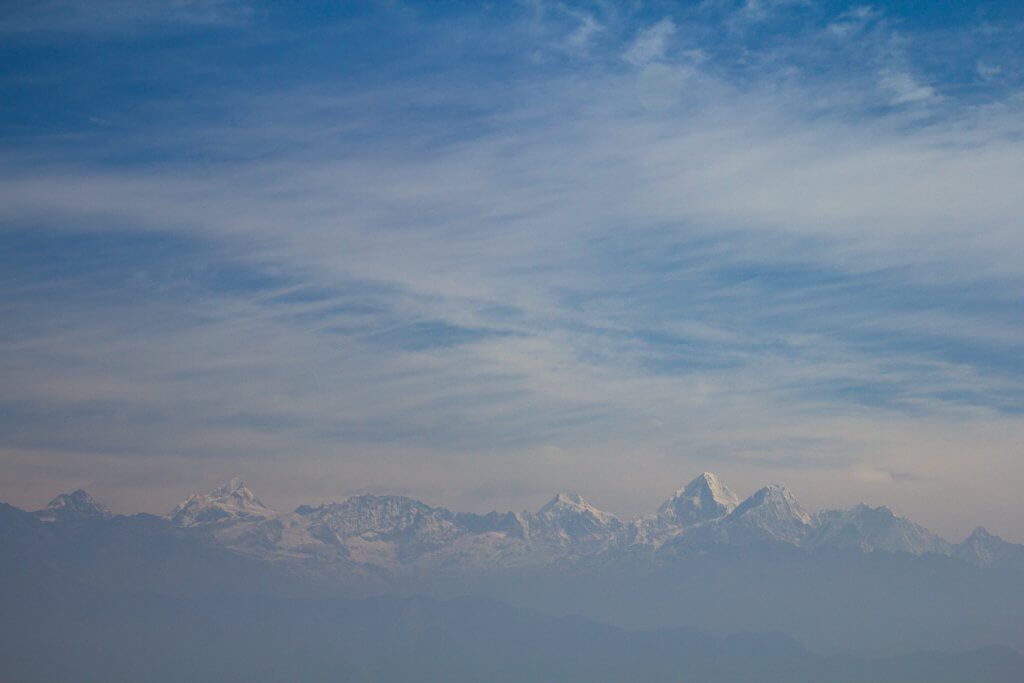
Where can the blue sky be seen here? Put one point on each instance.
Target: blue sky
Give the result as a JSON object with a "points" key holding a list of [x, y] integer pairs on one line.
{"points": [[479, 254]]}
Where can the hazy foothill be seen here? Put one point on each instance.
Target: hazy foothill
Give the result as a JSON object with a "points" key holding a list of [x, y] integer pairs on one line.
{"points": [[708, 585]]}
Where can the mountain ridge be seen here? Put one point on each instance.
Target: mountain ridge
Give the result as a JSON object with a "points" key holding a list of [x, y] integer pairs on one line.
{"points": [[843, 583], [400, 534]]}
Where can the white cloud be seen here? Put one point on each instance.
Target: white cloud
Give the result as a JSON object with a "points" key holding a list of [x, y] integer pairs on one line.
{"points": [[590, 222], [588, 27], [650, 44], [905, 89], [852, 22], [987, 72], [754, 11]]}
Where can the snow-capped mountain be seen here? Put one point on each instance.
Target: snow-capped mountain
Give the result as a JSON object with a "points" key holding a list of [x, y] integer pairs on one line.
{"points": [[400, 534], [571, 523], [383, 530], [395, 531], [771, 515], [77, 505], [869, 529], [704, 499], [230, 502], [707, 561], [983, 549], [772, 512]]}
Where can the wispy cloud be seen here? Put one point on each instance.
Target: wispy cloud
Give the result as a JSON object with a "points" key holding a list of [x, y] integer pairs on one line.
{"points": [[496, 268], [905, 89], [650, 43]]}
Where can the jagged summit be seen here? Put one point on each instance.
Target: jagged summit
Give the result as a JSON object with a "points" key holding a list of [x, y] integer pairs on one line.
{"points": [[985, 549], [396, 532], [235, 489], [563, 500], [869, 529], [774, 498], [704, 498], [571, 498], [572, 505], [571, 523], [980, 533], [770, 513], [73, 506], [231, 500]]}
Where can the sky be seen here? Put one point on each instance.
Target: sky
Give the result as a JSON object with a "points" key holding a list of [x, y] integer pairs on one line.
{"points": [[479, 253]]}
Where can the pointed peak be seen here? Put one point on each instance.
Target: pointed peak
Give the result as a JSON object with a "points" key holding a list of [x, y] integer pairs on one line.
{"points": [[231, 486], [704, 480], [75, 505], [703, 499], [708, 481], [772, 491], [708, 477], [982, 534], [777, 498], [235, 488], [565, 500], [571, 505], [228, 501], [571, 497], [770, 494]]}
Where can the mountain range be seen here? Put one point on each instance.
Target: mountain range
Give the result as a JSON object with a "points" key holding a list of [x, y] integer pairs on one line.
{"points": [[395, 534], [858, 582]]}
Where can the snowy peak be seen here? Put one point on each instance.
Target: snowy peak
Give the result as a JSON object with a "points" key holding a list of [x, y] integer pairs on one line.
{"points": [[869, 529], [980, 548], [773, 500], [983, 549], [710, 484], [571, 498], [235, 491], [73, 506], [399, 533], [705, 498], [569, 522], [571, 505], [772, 513], [981, 536], [231, 501]]}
